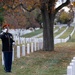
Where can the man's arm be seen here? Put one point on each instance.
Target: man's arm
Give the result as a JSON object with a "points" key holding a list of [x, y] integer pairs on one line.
{"points": [[1, 34]]}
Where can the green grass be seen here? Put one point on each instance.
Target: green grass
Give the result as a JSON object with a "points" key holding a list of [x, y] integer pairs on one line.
{"points": [[67, 33], [56, 27], [62, 29], [72, 38], [43, 62], [36, 32]]}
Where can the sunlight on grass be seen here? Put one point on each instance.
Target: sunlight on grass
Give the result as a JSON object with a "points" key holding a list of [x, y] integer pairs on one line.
{"points": [[44, 62], [67, 33], [56, 27], [62, 29], [36, 32], [72, 38]]}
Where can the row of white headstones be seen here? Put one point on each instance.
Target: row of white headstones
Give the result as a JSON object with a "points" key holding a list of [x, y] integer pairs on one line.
{"points": [[30, 41], [56, 40], [33, 44], [25, 49], [71, 67]]}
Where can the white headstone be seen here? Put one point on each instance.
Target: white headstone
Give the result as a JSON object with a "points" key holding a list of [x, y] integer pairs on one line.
{"points": [[28, 49], [35, 45], [69, 70], [2, 59], [13, 55], [18, 51], [72, 64], [23, 50], [32, 47]]}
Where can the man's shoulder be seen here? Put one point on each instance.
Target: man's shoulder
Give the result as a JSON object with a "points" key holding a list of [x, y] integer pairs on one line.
{"points": [[2, 33], [9, 33]]}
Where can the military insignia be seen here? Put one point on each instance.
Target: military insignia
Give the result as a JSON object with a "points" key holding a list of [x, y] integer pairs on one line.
{"points": [[11, 37]]}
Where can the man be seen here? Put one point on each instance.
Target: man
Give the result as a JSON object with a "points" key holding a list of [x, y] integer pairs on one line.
{"points": [[7, 44]]}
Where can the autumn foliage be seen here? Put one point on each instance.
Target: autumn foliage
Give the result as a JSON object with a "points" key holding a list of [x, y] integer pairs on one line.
{"points": [[48, 12]]}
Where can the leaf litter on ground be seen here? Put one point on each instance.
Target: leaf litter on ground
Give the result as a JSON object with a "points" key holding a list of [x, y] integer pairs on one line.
{"points": [[45, 62]]}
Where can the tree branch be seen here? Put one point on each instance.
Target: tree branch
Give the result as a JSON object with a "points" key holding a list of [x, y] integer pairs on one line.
{"points": [[27, 9], [13, 7], [21, 5], [62, 5]]}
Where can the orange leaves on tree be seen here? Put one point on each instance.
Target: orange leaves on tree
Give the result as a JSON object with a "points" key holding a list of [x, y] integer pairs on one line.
{"points": [[30, 4], [73, 4], [1, 0], [5, 7]]}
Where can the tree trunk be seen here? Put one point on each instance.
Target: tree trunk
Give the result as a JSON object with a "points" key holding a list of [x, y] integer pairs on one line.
{"points": [[48, 39], [51, 37]]}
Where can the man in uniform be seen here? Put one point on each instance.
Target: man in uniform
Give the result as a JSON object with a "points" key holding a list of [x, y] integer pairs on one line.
{"points": [[7, 44]]}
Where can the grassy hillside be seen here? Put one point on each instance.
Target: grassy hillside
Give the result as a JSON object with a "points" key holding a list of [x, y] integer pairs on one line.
{"points": [[42, 62], [36, 32], [67, 33], [61, 30]]}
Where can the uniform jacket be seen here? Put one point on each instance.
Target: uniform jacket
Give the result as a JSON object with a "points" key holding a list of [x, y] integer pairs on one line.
{"points": [[7, 41]]}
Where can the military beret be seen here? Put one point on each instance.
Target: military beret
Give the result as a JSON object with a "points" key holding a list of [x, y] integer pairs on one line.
{"points": [[5, 25]]}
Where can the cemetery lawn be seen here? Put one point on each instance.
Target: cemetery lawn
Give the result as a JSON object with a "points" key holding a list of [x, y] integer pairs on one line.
{"points": [[67, 33], [72, 39], [60, 30], [56, 27], [36, 32], [43, 62]]}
